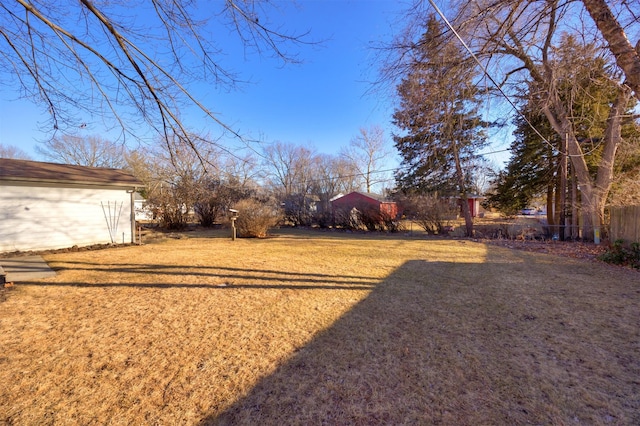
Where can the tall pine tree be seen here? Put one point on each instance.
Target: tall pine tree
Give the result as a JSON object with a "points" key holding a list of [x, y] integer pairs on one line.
{"points": [[440, 127]]}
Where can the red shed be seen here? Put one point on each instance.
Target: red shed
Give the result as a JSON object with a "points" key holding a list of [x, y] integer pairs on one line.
{"points": [[361, 201], [474, 204]]}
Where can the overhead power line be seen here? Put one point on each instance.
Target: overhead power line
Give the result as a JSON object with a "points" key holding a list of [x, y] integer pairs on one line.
{"points": [[493, 81]]}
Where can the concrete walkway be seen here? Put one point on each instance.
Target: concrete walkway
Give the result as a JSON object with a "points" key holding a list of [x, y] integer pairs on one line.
{"points": [[26, 268]]}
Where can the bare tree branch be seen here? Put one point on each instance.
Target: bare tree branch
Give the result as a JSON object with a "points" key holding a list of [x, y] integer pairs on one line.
{"points": [[65, 55]]}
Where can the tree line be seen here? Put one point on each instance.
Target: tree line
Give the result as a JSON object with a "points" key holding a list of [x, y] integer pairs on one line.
{"points": [[294, 180]]}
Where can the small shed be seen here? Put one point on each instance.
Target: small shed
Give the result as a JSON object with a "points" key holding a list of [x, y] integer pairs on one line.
{"points": [[48, 206], [360, 201], [474, 204]]}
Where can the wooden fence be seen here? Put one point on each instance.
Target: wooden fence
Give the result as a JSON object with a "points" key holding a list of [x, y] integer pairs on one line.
{"points": [[625, 223]]}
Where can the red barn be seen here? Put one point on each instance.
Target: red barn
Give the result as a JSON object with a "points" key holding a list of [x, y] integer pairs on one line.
{"points": [[361, 201]]}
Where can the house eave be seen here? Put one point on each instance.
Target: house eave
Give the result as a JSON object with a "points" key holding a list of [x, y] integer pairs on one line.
{"points": [[66, 183]]}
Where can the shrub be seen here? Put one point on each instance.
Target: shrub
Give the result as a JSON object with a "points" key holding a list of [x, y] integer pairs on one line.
{"points": [[298, 209], [618, 254], [173, 217], [365, 216], [324, 220], [348, 219], [208, 211], [432, 213], [169, 211], [172, 203], [255, 218], [391, 224], [370, 217], [215, 196]]}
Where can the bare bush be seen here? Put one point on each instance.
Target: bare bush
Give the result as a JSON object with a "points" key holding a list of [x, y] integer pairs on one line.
{"points": [[298, 209], [432, 213], [348, 219], [391, 223], [255, 218], [215, 197], [171, 204], [365, 216], [370, 217]]}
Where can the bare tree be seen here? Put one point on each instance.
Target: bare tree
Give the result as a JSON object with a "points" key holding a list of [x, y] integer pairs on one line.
{"points": [[289, 173], [92, 151], [245, 169], [175, 179], [332, 175], [482, 171], [288, 168], [10, 151], [335, 175], [96, 59], [368, 152]]}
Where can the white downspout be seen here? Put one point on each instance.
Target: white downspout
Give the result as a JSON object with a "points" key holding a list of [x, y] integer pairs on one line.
{"points": [[133, 215]]}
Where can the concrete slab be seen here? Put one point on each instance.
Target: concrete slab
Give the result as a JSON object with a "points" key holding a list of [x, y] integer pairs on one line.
{"points": [[26, 268]]}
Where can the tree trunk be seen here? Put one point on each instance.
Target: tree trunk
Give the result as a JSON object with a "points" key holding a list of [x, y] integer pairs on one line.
{"points": [[550, 218], [557, 207], [562, 125], [594, 192], [575, 211], [466, 212], [626, 56], [563, 190], [613, 138]]}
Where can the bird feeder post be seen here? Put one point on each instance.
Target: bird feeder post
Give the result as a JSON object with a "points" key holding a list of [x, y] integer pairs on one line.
{"points": [[234, 217]]}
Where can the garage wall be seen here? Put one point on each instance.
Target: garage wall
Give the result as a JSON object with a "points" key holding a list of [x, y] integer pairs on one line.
{"points": [[41, 217]]}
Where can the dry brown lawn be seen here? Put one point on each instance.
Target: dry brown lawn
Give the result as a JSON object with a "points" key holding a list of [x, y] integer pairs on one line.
{"points": [[321, 328]]}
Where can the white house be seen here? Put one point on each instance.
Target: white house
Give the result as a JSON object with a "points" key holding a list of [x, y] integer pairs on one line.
{"points": [[47, 206]]}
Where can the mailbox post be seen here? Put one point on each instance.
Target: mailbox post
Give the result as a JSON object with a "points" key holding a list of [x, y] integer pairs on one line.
{"points": [[234, 216]]}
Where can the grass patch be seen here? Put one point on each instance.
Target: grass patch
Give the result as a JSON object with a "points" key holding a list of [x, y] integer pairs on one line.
{"points": [[309, 328]]}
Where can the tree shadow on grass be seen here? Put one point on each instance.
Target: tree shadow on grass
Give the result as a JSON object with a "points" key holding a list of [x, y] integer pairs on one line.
{"points": [[258, 286], [217, 271], [218, 277], [452, 343]]}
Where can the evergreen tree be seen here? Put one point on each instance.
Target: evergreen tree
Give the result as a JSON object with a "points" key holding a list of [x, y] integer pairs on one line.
{"points": [[532, 168], [440, 128]]}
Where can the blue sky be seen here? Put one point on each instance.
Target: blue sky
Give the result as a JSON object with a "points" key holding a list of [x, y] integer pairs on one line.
{"points": [[321, 102]]}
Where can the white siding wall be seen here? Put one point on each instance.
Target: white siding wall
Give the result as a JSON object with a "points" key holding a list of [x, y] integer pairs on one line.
{"points": [[40, 218]]}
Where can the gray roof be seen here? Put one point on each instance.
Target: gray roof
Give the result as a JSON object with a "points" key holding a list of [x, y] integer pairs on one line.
{"points": [[377, 197], [39, 172]]}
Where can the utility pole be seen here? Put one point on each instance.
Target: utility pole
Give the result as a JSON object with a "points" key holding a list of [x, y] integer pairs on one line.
{"points": [[563, 187]]}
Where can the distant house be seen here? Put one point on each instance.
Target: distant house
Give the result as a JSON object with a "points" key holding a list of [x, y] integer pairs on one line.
{"points": [[141, 208], [47, 206], [361, 201]]}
